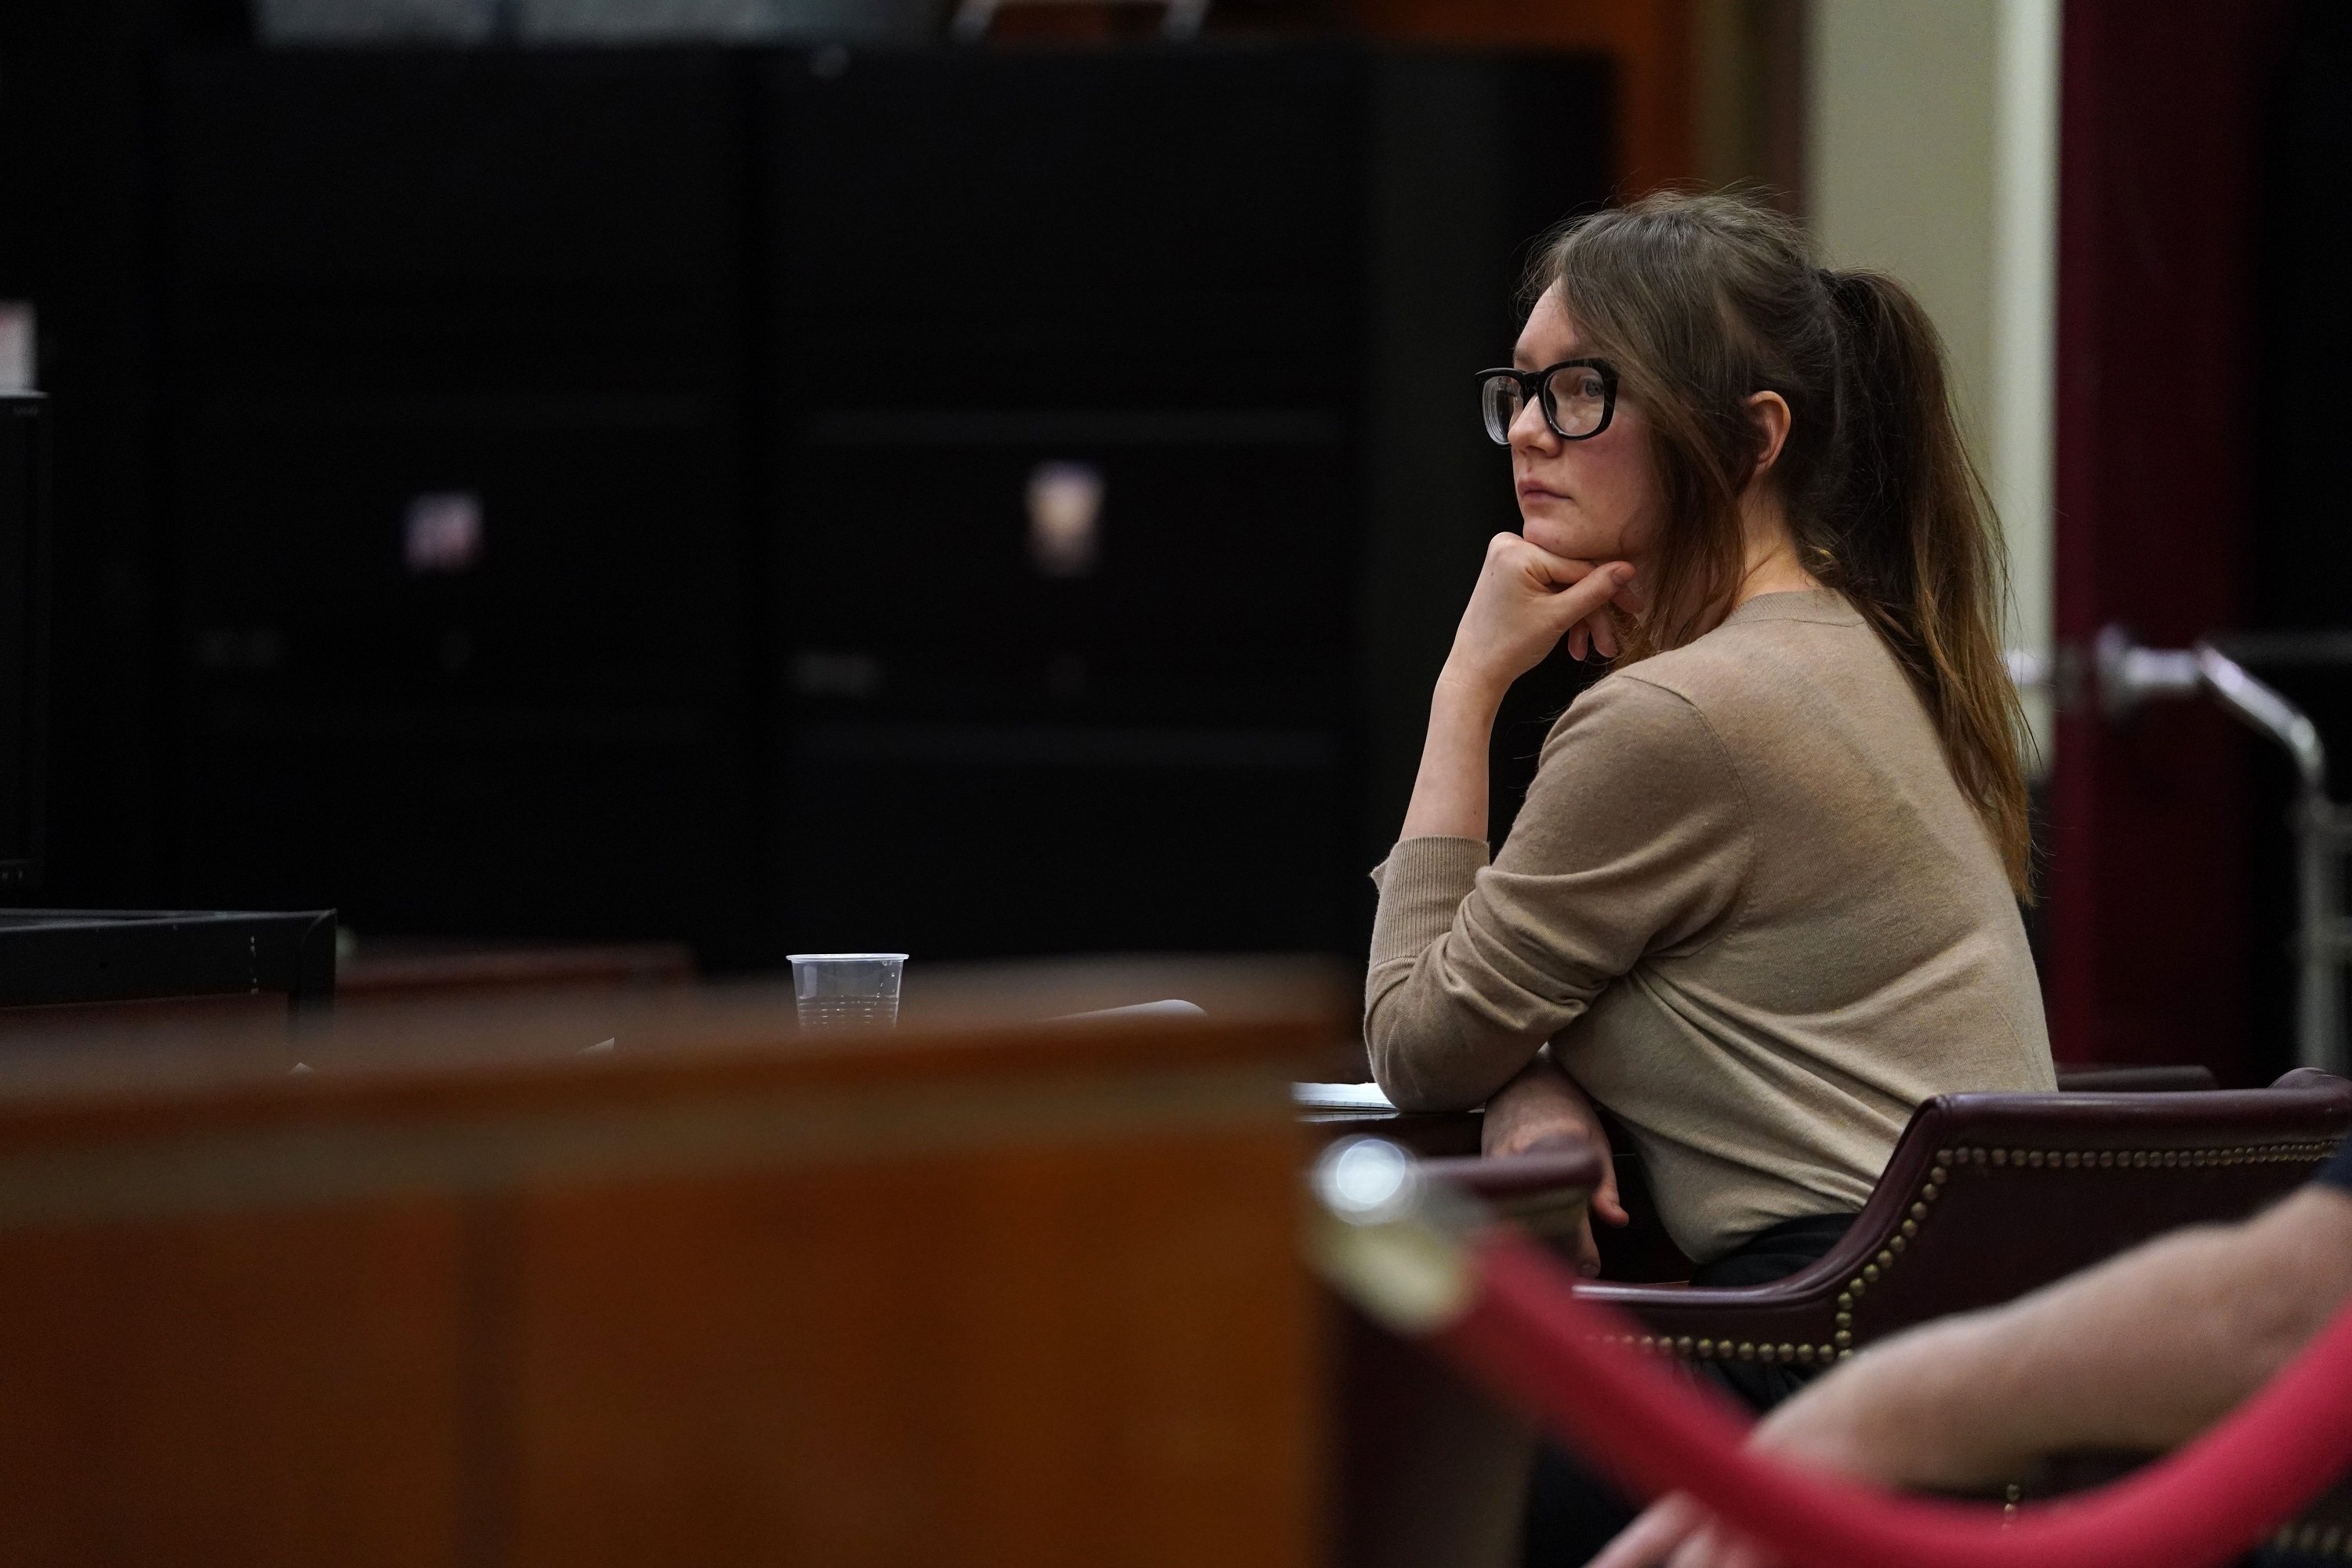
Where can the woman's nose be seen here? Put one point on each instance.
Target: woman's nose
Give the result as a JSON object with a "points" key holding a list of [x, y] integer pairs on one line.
{"points": [[1529, 428]]}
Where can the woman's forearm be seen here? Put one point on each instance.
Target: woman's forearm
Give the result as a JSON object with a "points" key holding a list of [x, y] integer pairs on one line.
{"points": [[1449, 793]]}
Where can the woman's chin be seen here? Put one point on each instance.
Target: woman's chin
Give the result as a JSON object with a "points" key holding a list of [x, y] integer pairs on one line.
{"points": [[1547, 532]]}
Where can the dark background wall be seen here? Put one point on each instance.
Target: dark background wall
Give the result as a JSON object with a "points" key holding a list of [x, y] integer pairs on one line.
{"points": [[744, 361], [2301, 548], [718, 355], [75, 234]]}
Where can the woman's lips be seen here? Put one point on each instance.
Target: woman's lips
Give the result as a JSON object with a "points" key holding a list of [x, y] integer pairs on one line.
{"points": [[1530, 490]]}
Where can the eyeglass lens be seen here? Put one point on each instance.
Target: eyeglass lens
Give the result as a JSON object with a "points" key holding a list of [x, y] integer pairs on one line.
{"points": [[1500, 400], [1577, 398]]}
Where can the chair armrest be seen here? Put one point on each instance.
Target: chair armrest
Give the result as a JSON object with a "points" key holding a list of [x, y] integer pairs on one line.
{"points": [[1556, 1163], [1794, 1322], [1544, 1191]]}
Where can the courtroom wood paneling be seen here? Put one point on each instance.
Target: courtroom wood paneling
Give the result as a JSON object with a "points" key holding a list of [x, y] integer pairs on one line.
{"points": [[980, 1291], [1020, 1356], [256, 1388], [392, 967]]}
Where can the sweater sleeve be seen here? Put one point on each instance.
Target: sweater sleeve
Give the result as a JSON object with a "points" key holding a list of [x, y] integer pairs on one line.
{"points": [[1634, 841]]}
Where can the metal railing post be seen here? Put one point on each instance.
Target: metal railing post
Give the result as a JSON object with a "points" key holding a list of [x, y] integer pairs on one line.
{"points": [[2130, 674]]}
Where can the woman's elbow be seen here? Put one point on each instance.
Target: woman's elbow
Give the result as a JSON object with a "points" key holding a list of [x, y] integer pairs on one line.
{"points": [[1404, 1077]]}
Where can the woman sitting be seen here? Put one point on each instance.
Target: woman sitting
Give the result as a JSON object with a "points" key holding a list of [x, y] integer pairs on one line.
{"points": [[1762, 898]]}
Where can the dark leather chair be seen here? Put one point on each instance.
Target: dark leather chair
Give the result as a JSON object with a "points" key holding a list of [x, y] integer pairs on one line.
{"points": [[1985, 1197], [2171, 1078], [1989, 1195]]}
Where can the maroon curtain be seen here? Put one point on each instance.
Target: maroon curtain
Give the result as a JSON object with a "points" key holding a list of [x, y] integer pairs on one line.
{"points": [[2161, 104]]}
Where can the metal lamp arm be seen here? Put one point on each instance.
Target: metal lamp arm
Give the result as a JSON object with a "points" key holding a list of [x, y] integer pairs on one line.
{"points": [[2260, 706]]}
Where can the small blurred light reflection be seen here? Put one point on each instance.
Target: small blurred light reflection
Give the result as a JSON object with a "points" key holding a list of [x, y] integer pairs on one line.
{"points": [[1365, 1178], [442, 532], [1065, 517], [819, 672], [16, 347]]}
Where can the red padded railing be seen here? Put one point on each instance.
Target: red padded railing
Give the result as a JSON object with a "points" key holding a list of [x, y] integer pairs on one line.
{"points": [[1528, 1338]]}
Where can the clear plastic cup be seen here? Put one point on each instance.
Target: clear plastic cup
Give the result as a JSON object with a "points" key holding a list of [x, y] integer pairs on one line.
{"points": [[848, 990]]}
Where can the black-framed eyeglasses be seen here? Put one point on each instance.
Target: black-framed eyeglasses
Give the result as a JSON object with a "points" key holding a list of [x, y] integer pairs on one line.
{"points": [[1577, 398]]}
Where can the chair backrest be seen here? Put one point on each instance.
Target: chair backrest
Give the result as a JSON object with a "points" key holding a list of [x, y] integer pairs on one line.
{"points": [[1989, 1195]]}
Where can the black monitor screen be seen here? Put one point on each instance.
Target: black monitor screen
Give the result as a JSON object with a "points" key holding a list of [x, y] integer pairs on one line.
{"points": [[24, 539]]}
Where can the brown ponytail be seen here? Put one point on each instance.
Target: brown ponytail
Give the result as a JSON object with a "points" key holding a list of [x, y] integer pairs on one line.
{"points": [[1703, 301]]}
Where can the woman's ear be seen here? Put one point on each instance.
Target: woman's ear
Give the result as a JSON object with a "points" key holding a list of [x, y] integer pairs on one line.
{"points": [[1771, 412]]}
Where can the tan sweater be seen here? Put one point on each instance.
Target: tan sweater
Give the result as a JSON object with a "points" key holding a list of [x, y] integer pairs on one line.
{"points": [[1749, 907]]}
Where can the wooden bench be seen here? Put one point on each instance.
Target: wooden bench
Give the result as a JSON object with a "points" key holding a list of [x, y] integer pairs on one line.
{"points": [[466, 1291]]}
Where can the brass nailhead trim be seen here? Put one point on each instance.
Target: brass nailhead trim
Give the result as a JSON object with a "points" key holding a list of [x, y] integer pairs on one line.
{"points": [[2312, 1151], [2134, 1159], [2313, 1540], [1723, 1350]]}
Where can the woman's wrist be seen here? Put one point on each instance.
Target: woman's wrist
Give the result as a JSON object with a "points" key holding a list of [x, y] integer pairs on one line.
{"points": [[1449, 793], [1539, 1103], [1465, 690]]}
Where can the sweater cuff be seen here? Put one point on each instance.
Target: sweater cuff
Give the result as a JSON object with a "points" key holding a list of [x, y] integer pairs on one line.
{"points": [[1422, 883]]}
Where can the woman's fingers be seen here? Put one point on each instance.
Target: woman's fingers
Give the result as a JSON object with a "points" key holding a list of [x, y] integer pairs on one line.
{"points": [[1526, 601], [1587, 1250], [1746, 1554], [1580, 601], [1647, 1542], [1596, 634], [1557, 573], [1561, 572], [1605, 1201], [1714, 1547], [1559, 568], [1704, 1550]]}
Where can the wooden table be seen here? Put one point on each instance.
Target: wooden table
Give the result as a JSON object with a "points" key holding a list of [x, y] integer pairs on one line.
{"points": [[465, 1291], [389, 968]]}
